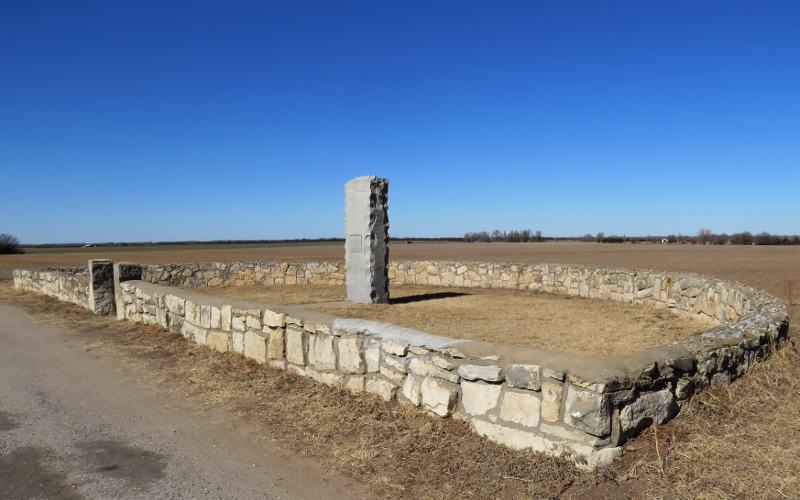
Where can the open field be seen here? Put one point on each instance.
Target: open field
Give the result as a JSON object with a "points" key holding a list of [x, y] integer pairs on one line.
{"points": [[735, 441], [544, 321]]}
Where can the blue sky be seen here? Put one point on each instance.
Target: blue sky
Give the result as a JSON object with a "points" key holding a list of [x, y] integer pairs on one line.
{"points": [[166, 120]]}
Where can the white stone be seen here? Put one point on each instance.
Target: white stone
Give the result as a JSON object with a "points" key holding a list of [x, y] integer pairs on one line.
{"points": [[439, 396], [392, 347], [275, 345], [366, 232], [225, 318], [237, 324], [393, 375], [320, 352], [411, 389], [381, 387], [355, 384], [399, 364], [479, 398], [514, 438], [420, 366], [255, 346], [294, 345], [217, 340], [349, 355], [551, 400], [237, 342], [253, 323], [274, 319], [372, 358], [216, 318], [442, 362], [520, 407], [175, 304], [205, 316], [489, 373]]}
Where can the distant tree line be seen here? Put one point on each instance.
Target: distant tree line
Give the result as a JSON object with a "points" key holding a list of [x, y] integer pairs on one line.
{"points": [[9, 244], [703, 237], [513, 236]]}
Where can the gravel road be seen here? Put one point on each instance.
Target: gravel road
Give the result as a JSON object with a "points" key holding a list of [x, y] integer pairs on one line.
{"points": [[75, 424]]}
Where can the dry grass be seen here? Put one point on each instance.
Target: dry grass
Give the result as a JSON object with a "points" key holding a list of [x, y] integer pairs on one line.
{"points": [[546, 321], [737, 441]]}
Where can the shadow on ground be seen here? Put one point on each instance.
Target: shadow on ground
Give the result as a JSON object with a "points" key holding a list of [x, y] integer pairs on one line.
{"points": [[426, 296]]}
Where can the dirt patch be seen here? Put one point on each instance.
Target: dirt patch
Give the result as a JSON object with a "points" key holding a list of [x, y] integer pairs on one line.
{"points": [[545, 321], [23, 474], [138, 467], [7, 422]]}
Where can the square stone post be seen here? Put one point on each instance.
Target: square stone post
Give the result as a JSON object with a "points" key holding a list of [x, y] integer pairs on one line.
{"points": [[101, 286], [124, 271], [366, 224]]}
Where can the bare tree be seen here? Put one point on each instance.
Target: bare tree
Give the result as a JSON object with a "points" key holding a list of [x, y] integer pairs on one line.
{"points": [[9, 244], [704, 236]]}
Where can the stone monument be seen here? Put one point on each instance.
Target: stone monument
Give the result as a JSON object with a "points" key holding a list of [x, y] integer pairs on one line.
{"points": [[366, 225]]}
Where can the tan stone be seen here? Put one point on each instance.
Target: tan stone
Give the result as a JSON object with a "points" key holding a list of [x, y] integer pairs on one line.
{"points": [[255, 346], [274, 319], [520, 407], [411, 389], [355, 383], [551, 400], [217, 340], [294, 345], [320, 352], [381, 387], [350, 360], [275, 345], [439, 396], [225, 318]]}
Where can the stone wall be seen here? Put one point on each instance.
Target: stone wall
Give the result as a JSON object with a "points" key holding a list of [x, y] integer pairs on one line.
{"points": [[525, 398], [202, 274], [699, 296], [68, 284]]}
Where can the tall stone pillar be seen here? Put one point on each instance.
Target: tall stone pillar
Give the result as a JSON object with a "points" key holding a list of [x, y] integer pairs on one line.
{"points": [[101, 286], [366, 224]]}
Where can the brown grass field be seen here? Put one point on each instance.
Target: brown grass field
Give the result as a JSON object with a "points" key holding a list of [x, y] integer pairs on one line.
{"points": [[541, 320], [738, 441]]}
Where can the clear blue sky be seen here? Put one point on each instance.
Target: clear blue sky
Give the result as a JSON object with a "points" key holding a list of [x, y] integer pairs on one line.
{"points": [[213, 120]]}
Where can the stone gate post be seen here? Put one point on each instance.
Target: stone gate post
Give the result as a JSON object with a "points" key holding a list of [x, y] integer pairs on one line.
{"points": [[101, 286]]}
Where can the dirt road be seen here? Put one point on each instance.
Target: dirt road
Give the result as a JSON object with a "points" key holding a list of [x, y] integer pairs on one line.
{"points": [[74, 424]]}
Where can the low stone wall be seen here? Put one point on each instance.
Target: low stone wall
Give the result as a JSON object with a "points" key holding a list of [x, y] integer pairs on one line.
{"points": [[91, 287], [202, 274], [67, 284], [522, 397], [699, 296]]}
